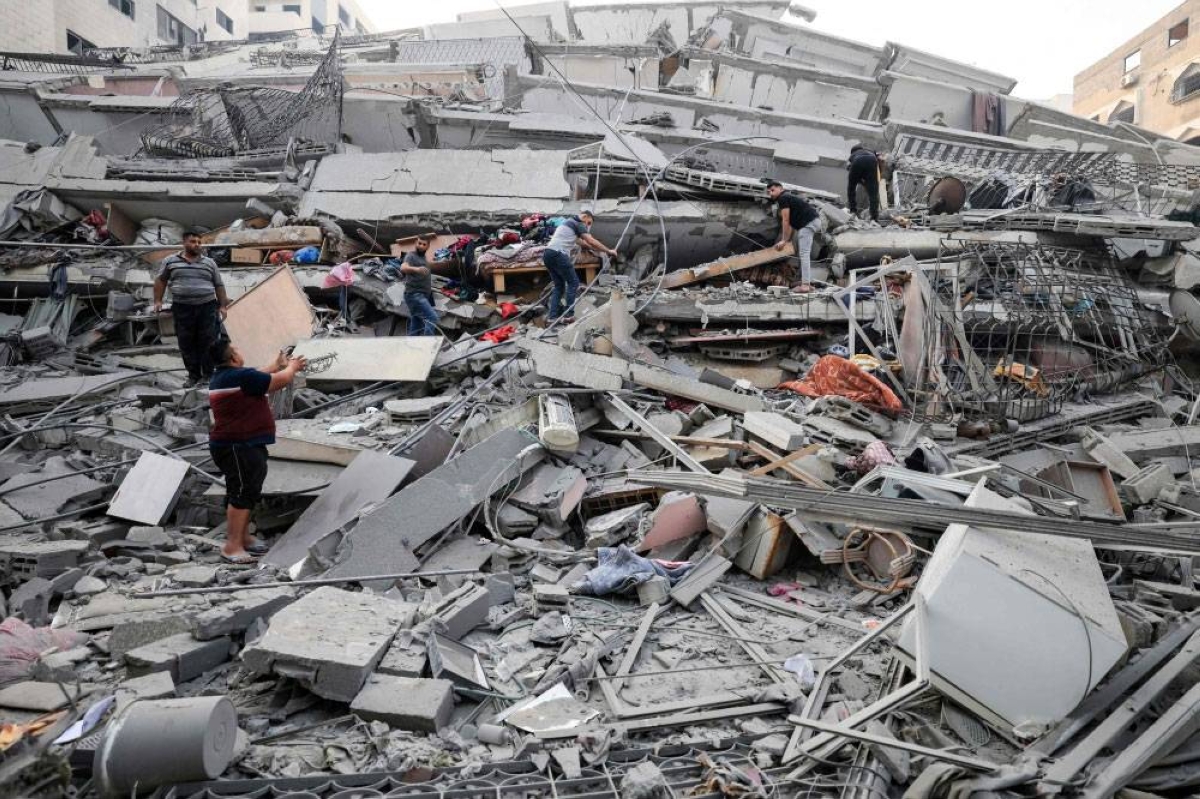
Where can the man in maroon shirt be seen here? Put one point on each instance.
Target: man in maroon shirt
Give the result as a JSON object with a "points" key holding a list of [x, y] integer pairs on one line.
{"points": [[243, 426]]}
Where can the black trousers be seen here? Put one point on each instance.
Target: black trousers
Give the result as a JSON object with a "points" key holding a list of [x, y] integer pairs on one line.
{"points": [[866, 173], [197, 328]]}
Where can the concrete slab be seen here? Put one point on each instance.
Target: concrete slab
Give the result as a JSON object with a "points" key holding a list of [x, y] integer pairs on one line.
{"points": [[40, 696], [242, 610], [47, 499], [391, 358], [383, 541], [405, 703], [776, 429], [678, 515], [329, 640], [149, 492], [369, 479], [181, 655]]}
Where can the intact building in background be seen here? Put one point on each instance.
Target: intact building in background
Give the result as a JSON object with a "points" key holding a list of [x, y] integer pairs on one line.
{"points": [[73, 26], [1152, 81]]}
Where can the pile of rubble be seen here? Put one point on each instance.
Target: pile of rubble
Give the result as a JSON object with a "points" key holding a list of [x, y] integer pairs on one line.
{"points": [[927, 530]]}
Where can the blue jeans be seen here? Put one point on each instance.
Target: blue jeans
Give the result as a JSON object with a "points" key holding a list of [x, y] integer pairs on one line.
{"points": [[422, 319], [565, 280]]}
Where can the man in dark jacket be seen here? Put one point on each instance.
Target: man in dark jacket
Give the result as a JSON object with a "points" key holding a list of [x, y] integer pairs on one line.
{"points": [[864, 171], [798, 223], [198, 304]]}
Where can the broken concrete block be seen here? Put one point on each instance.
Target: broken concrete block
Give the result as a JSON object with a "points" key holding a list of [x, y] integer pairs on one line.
{"points": [[501, 588], [1105, 452], [149, 492], [194, 576], [613, 527], [1144, 487], [776, 429], [236, 615], [551, 491], [21, 560], [88, 585], [31, 601], [384, 539], [43, 697], [156, 685], [181, 655], [678, 515], [329, 640], [130, 635], [404, 659], [150, 536], [405, 703], [766, 544], [463, 610], [47, 499]]}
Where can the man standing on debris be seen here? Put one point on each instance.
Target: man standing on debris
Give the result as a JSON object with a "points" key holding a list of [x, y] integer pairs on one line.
{"points": [[243, 426], [864, 170], [798, 223], [198, 304], [559, 260], [418, 290]]}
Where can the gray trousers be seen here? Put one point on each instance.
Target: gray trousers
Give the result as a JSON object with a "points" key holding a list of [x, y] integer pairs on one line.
{"points": [[802, 240]]}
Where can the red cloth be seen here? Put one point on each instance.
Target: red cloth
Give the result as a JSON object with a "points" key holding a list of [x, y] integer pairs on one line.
{"points": [[508, 309], [499, 335], [834, 375], [281, 257]]}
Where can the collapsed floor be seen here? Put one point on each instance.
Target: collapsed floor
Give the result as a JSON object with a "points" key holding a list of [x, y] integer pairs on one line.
{"points": [[926, 531]]}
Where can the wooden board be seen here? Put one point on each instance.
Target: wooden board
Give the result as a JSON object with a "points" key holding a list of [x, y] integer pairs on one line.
{"points": [[269, 317], [724, 266], [391, 358], [498, 277], [246, 255], [149, 492]]}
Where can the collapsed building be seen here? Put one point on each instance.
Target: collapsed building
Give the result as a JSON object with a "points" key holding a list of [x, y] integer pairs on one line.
{"points": [[926, 531]]}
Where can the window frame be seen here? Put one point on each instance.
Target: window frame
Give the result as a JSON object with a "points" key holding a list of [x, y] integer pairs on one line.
{"points": [[1179, 92], [293, 8], [84, 44], [1128, 69], [1172, 40], [127, 8], [227, 24]]}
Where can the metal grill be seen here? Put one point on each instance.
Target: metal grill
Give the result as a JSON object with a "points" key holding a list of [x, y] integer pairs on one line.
{"points": [[1021, 329], [59, 64], [229, 120]]}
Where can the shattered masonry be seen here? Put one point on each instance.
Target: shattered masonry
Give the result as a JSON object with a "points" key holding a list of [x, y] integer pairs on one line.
{"points": [[924, 527]]}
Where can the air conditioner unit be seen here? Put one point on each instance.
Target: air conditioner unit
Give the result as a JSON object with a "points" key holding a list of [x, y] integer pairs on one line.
{"points": [[1129, 80]]}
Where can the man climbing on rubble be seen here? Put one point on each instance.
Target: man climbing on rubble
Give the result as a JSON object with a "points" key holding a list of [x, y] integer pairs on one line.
{"points": [[799, 221], [864, 171], [418, 290], [559, 260], [243, 426], [198, 304]]}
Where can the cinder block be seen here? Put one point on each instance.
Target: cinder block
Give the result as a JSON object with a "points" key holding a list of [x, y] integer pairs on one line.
{"points": [[1145, 486], [417, 705], [463, 610], [181, 655], [777, 430]]}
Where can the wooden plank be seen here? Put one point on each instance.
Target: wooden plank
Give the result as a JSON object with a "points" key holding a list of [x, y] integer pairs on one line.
{"points": [[269, 317], [390, 358], [792, 469], [725, 266], [119, 224], [635, 646], [803, 452]]}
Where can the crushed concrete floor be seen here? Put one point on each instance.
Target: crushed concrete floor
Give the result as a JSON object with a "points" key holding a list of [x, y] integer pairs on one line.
{"points": [[926, 530]]}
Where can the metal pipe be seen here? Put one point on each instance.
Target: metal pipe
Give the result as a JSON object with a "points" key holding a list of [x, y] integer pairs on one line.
{"points": [[230, 589]]}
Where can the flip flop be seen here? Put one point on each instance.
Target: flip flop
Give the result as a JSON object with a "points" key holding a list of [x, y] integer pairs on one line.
{"points": [[239, 560]]}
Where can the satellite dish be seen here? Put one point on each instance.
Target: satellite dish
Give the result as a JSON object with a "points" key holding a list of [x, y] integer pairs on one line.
{"points": [[948, 195], [1185, 307]]}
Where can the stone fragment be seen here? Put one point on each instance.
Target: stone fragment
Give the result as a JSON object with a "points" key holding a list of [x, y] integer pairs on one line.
{"points": [[236, 615], [406, 703], [182, 656]]}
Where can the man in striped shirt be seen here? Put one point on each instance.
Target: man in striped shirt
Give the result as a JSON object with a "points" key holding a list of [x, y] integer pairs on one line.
{"points": [[198, 304]]}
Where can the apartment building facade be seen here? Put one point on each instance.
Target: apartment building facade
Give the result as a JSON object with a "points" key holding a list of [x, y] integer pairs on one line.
{"points": [[1152, 80], [269, 17]]}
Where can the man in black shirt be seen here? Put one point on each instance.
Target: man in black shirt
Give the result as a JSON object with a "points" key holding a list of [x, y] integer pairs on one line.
{"points": [[798, 222], [864, 169]]}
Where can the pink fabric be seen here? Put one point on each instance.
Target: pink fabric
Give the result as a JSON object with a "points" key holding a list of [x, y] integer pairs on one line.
{"points": [[340, 275]]}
